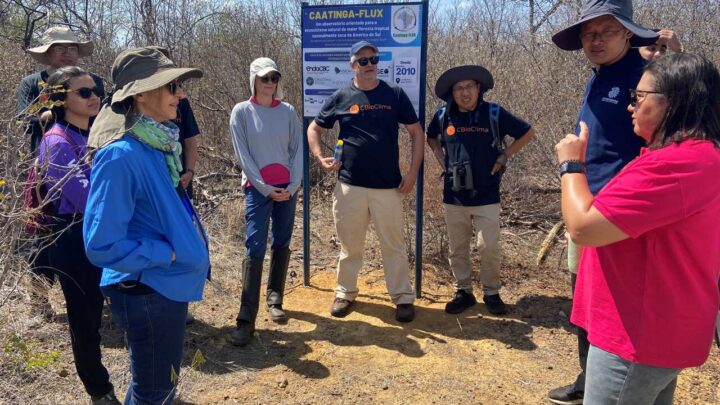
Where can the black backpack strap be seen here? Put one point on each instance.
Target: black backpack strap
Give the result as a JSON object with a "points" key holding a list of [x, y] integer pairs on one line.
{"points": [[498, 139]]}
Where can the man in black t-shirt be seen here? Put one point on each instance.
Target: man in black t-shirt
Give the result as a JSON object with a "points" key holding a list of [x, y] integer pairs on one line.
{"points": [[188, 138], [466, 137], [370, 184]]}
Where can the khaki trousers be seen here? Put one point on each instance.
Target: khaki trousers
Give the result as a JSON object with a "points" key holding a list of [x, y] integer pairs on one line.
{"points": [[353, 208], [486, 221]]}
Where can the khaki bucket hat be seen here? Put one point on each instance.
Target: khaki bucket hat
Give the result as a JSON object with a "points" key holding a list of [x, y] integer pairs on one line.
{"points": [[59, 35], [134, 71]]}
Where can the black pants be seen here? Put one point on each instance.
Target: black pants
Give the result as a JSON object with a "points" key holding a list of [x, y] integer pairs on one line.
{"points": [[80, 282], [583, 347]]}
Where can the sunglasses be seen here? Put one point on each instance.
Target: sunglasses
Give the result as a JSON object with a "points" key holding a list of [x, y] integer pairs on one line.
{"points": [[173, 87], [373, 60], [68, 49], [87, 92], [270, 78], [637, 96]]}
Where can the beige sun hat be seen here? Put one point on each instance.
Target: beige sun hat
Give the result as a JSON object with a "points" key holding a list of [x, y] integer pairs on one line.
{"points": [[260, 67], [59, 35], [134, 71]]}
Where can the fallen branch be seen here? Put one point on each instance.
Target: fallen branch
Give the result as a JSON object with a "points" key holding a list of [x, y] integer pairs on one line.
{"points": [[548, 242]]}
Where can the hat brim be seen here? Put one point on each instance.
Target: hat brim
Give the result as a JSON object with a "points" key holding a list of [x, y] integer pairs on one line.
{"points": [[569, 38], [264, 71], [152, 82], [443, 86], [39, 53]]}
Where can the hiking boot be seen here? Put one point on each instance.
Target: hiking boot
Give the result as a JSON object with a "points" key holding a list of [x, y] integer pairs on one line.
{"points": [[107, 399], [462, 301], [566, 395], [277, 314], [405, 313], [243, 334], [340, 307], [495, 304]]}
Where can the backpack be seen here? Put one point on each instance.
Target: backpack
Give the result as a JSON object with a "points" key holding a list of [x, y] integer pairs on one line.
{"points": [[38, 212], [498, 139]]}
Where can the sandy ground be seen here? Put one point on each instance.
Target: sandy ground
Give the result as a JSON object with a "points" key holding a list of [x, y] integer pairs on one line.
{"points": [[365, 358]]}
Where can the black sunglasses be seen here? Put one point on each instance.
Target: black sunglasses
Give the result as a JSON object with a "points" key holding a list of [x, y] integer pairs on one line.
{"points": [[87, 92], [174, 86], [364, 61], [641, 94], [270, 78]]}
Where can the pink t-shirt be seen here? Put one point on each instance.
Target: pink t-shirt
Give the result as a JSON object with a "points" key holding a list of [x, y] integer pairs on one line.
{"points": [[653, 298]]}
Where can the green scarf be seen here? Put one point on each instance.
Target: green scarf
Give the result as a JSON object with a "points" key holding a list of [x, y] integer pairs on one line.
{"points": [[163, 137]]}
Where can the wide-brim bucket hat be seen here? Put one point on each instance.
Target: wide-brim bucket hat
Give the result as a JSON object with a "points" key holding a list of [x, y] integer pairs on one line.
{"points": [[138, 70], [59, 35], [443, 86], [569, 38], [135, 71]]}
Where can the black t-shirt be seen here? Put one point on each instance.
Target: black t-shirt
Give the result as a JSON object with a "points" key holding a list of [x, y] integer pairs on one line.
{"points": [[369, 130], [185, 120], [473, 142]]}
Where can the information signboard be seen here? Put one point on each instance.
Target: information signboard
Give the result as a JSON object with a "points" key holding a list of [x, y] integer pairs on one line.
{"points": [[329, 32]]}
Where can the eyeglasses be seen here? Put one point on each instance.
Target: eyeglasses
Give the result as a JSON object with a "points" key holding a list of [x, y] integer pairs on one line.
{"points": [[469, 87], [173, 87], [637, 96], [65, 49], [603, 36], [270, 78], [373, 60], [87, 92]]}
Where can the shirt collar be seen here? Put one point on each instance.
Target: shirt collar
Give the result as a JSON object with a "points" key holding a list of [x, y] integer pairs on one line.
{"points": [[631, 60]]}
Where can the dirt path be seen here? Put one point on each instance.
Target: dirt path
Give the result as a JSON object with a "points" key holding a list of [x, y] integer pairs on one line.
{"points": [[365, 358]]}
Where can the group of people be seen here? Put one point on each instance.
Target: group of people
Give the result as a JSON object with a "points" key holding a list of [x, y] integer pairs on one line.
{"points": [[638, 200]]}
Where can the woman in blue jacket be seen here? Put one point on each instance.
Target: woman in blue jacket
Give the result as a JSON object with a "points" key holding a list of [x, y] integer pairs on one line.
{"points": [[139, 224]]}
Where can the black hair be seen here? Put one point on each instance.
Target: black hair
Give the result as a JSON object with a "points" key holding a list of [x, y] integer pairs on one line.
{"points": [[59, 81], [691, 86]]}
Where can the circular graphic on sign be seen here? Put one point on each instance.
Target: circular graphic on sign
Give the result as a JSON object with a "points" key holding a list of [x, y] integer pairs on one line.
{"points": [[404, 24], [404, 19], [309, 81], [450, 130], [354, 109]]}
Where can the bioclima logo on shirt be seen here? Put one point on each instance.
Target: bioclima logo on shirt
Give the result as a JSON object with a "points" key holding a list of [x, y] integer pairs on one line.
{"points": [[612, 94]]}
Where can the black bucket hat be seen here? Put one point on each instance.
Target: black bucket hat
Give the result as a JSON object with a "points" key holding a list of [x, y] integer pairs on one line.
{"points": [[569, 38], [443, 86]]}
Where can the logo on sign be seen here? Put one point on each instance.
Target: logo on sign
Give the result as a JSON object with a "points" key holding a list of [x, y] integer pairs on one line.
{"points": [[309, 81], [404, 24], [317, 69]]}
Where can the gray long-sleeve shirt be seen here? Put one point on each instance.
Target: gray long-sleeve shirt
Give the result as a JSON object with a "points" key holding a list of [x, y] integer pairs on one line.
{"points": [[262, 136]]}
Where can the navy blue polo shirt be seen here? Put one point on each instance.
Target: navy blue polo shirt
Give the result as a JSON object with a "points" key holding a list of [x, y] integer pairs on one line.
{"points": [[612, 143]]}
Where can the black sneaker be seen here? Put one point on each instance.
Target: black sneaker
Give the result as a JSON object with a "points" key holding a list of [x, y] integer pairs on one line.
{"points": [[405, 313], [566, 395], [107, 399], [462, 301], [340, 307], [494, 304]]}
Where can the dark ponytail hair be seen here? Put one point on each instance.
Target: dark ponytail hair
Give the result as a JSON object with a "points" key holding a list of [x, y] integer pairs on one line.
{"points": [[60, 80], [691, 86]]}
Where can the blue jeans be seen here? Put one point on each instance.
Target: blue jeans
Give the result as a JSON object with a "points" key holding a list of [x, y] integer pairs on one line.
{"points": [[258, 211], [154, 329], [612, 380]]}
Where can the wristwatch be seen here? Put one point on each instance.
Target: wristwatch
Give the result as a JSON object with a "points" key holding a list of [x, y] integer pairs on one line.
{"points": [[572, 166]]}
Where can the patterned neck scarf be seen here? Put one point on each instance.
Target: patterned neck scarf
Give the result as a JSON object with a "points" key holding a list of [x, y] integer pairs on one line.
{"points": [[163, 137]]}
